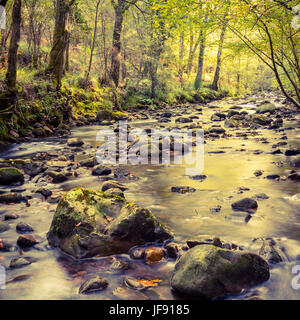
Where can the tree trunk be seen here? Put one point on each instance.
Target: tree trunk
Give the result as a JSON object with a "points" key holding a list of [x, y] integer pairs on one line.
{"points": [[193, 49], [93, 44], [181, 62], [56, 63], [67, 62], [198, 81], [215, 84], [116, 47], [11, 75]]}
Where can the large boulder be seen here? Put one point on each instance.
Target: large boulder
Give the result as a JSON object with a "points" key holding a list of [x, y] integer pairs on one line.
{"points": [[91, 223], [10, 175], [265, 108], [210, 272]]}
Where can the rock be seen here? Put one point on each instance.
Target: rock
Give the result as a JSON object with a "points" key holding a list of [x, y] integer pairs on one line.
{"points": [[210, 272], [28, 166], [218, 117], [101, 171], [183, 120], [129, 294], [200, 177], [11, 198], [258, 173], [194, 243], [88, 223], [26, 241], [11, 216], [269, 253], [57, 177], [183, 190], [292, 152], [134, 284], [5, 246], [261, 119], [45, 192], [246, 204], [89, 163], [93, 285], [23, 227], [4, 227], [114, 192], [295, 163], [10, 175], [39, 132], [217, 130], [117, 265], [167, 115], [154, 255], [261, 196], [75, 142], [217, 242], [172, 249], [215, 209], [268, 107], [232, 113], [20, 262], [120, 173], [231, 123], [294, 177], [112, 185], [273, 177], [137, 253]]}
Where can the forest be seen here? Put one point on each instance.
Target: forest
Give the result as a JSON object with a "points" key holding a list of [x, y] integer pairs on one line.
{"points": [[224, 72]]}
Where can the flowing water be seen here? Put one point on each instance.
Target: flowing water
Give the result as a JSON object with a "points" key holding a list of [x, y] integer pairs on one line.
{"points": [[56, 276]]}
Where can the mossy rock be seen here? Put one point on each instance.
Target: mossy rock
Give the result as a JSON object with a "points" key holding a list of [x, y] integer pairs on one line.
{"points": [[210, 272], [268, 107], [9, 175], [261, 119], [105, 115], [91, 223], [32, 168]]}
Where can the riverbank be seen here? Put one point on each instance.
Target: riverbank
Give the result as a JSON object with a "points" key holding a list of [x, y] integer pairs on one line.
{"points": [[250, 152]]}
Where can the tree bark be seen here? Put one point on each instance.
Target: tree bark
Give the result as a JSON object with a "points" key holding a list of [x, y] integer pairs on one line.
{"points": [[56, 63], [198, 81], [93, 43], [215, 84], [116, 47], [181, 63], [120, 7], [11, 75]]}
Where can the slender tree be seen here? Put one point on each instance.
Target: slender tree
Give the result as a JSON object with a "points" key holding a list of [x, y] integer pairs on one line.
{"points": [[93, 42], [215, 84], [120, 7], [60, 36], [11, 75]]}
